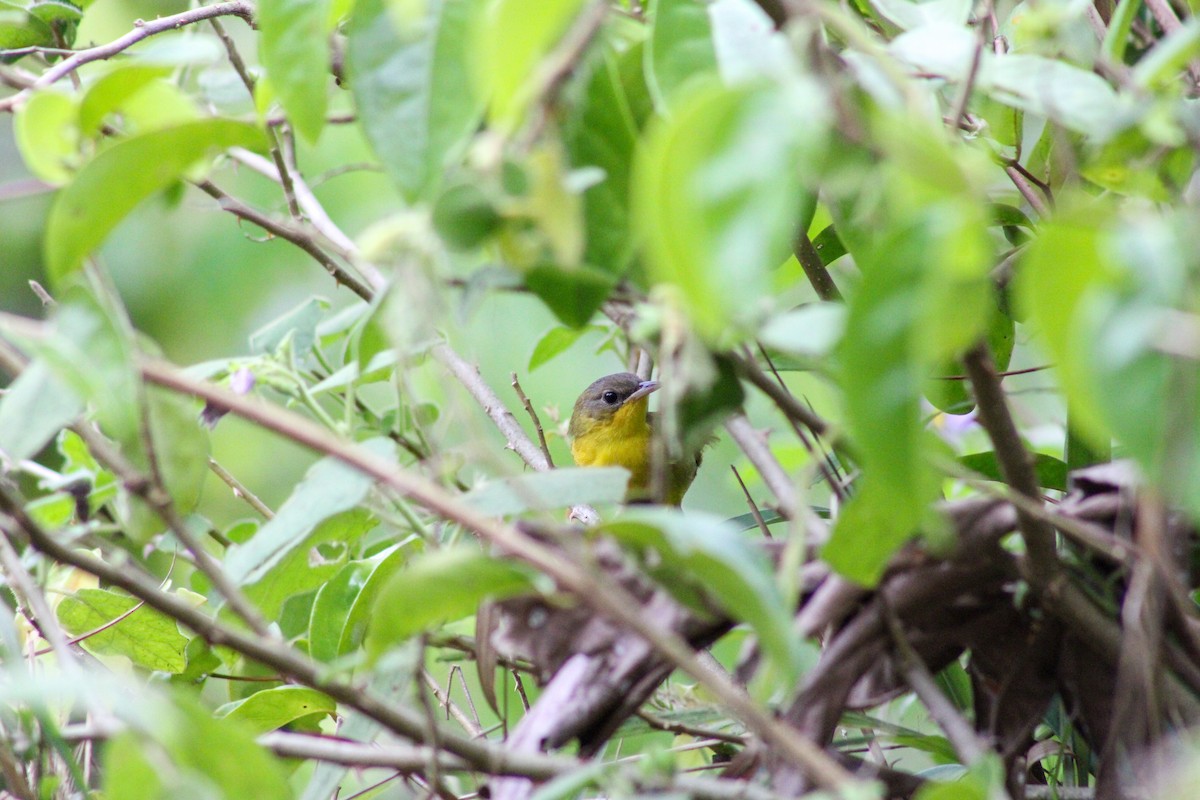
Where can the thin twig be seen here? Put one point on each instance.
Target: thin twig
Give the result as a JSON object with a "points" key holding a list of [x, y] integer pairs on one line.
{"points": [[239, 489], [758, 517], [789, 405], [962, 736], [537, 423], [814, 268], [142, 30], [288, 232]]}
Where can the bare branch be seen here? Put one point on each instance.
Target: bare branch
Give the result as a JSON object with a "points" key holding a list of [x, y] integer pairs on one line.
{"points": [[142, 30]]}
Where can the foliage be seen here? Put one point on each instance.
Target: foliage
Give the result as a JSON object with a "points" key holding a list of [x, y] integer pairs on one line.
{"points": [[944, 250]]}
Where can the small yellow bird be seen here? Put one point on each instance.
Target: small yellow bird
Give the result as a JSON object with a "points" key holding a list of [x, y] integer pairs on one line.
{"points": [[611, 427]]}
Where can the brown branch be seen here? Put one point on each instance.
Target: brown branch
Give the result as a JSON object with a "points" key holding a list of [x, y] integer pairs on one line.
{"points": [[789, 405], [537, 422], [142, 30], [288, 232], [814, 268], [754, 444], [758, 517]]}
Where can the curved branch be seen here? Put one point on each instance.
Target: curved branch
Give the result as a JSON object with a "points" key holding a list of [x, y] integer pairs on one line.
{"points": [[142, 30]]}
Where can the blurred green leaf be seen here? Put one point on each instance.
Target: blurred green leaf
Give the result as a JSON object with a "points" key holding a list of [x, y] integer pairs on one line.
{"points": [[680, 49], [216, 755], [602, 131], [121, 176], [107, 94], [716, 211], [354, 631], [47, 135], [923, 250], [146, 637], [34, 408], [442, 586], [510, 44], [271, 709], [1051, 471], [706, 551], [300, 323], [544, 491], [553, 343], [127, 771], [572, 293], [465, 217], [294, 47], [1071, 96], [409, 71], [19, 28], [811, 330], [90, 352], [1169, 56]]}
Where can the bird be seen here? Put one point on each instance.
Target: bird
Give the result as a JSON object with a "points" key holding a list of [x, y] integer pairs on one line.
{"points": [[611, 426]]}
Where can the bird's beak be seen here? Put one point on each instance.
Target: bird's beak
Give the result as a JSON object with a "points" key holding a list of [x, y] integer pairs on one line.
{"points": [[644, 388]]}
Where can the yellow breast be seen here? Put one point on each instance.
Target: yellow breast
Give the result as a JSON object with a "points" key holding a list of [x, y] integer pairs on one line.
{"points": [[622, 441]]}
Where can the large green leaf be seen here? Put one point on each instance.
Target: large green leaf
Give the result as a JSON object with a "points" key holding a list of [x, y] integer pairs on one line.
{"points": [[542, 491], [922, 245], [442, 586], [35, 407], [273, 708], [115, 181], [410, 76], [680, 48], [47, 135], [294, 47], [702, 551], [716, 200], [510, 45], [148, 638], [308, 540], [602, 131]]}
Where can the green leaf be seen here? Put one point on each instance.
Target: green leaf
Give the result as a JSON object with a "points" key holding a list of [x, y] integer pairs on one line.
{"points": [[300, 324], [1051, 471], [544, 491], [90, 352], [442, 586], [181, 446], [409, 71], [1063, 267], [829, 246], [465, 217], [271, 709], [1169, 56], [148, 638], [707, 552], [922, 245], [128, 773], [294, 47], [113, 183], [715, 210], [35, 407], [811, 330], [284, 557], [680, 49], [601, 130], [554, 343], [108, 94], [1073, 97], [331, 607], [19, 28], [573, 293], [358, 620], [47, 135], [217, 757], [511, 43]]}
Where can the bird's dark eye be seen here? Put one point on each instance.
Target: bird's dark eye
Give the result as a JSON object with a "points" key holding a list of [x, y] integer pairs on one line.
{"points": [[609, 397]]}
